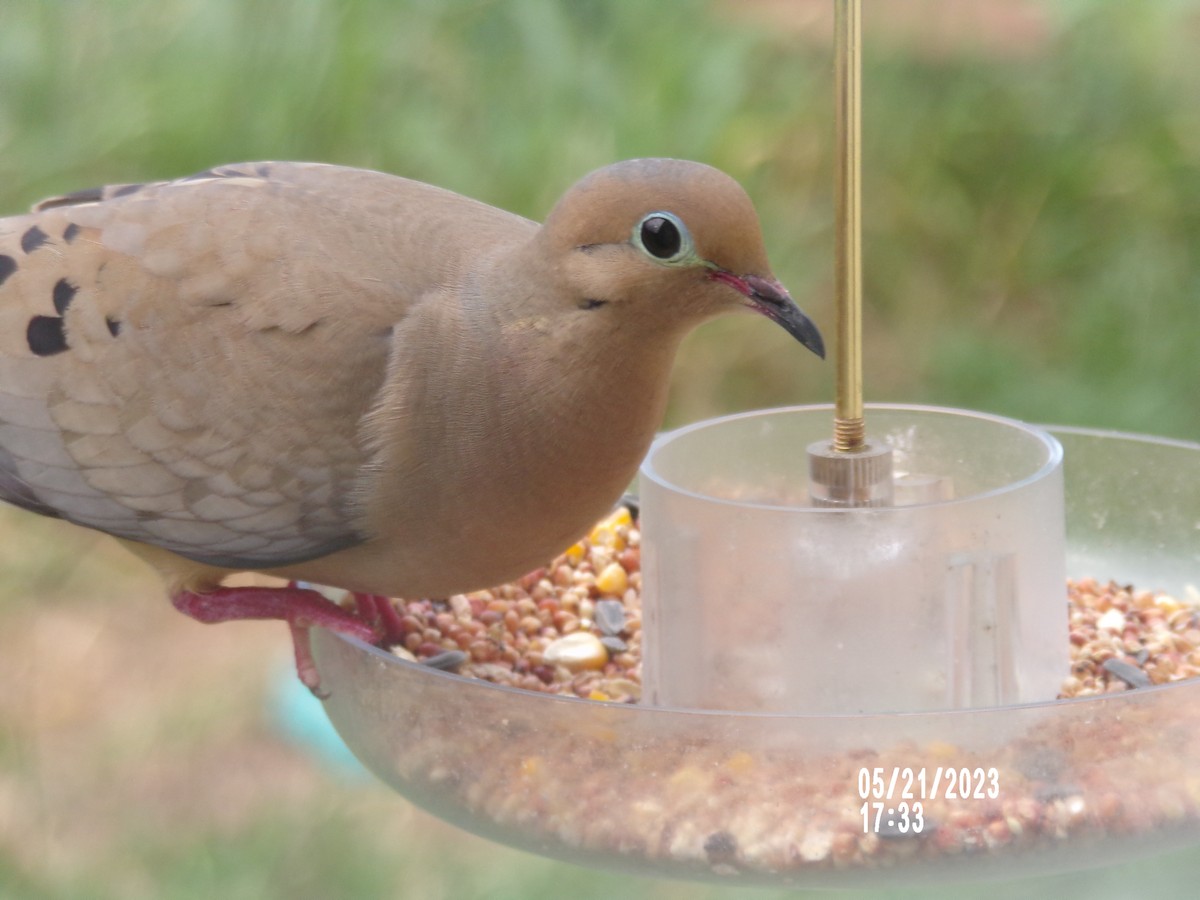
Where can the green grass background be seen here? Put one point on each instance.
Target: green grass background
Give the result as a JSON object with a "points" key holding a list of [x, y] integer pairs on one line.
{"points": [[1032, 240]]}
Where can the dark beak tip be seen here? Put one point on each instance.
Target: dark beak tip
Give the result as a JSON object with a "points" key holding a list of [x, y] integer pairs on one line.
{"points": [[800, 326], [816, 345]]}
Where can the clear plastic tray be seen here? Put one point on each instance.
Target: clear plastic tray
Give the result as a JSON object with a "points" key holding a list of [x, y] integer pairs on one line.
{"points": [[779, 799]]}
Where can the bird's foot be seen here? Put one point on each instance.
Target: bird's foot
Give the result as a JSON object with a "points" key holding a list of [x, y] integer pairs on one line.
{"points": [[301, 608], [381, 613]]}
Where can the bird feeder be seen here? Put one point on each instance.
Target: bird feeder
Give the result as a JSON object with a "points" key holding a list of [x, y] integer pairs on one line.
{"points": [[852, 651]]}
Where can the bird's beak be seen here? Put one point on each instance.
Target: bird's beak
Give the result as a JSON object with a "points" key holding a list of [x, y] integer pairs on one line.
{"points": [[771, 298]]}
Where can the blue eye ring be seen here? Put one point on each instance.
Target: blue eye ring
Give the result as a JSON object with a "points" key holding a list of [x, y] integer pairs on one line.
{"points": [[664, 238]]}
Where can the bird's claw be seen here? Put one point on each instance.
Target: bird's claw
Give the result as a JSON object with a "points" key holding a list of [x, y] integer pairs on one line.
{"points": [[301, 608]]}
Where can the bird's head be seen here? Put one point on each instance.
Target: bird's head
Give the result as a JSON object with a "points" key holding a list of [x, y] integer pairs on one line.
{"points": [[670, 243]]}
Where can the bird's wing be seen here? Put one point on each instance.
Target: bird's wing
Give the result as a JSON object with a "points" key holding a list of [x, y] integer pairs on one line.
{"points": [[187, 363]]}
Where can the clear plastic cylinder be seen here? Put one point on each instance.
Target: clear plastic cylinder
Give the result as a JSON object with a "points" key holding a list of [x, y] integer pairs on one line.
{"points": [[756, 600]]}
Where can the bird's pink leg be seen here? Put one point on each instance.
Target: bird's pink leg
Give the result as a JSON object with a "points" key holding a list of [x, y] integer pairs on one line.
{"points": [[383, 613], [300, 608]]}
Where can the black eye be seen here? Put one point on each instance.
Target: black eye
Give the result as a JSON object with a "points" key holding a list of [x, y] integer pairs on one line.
{"points": [[660, 237], [665, 239]]}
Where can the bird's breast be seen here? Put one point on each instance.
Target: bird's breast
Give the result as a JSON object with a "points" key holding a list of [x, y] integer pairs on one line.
{"points": [[504, 458]]}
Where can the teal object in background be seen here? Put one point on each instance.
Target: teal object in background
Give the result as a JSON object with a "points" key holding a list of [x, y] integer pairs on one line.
{"points": [[301, 718]]}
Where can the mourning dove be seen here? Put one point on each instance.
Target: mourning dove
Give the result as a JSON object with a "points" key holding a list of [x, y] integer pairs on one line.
{"points": [[349, 378]]}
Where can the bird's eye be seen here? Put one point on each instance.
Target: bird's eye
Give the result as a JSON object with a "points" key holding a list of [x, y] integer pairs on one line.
{"points": [[664, 238], [661, 237]]}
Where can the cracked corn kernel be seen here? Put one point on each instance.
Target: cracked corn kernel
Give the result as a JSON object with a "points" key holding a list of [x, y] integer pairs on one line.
{"points": [[618, 518], [610, 532], [577, 650], [612, 580], [606, 540]]}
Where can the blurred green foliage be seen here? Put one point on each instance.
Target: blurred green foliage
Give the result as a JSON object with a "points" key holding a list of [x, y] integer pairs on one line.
{"points": [[1039, 220], [1030, 217]]}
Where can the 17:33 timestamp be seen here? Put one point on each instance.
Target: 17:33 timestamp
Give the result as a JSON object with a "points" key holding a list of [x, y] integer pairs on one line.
{"points": [[903, 818]]}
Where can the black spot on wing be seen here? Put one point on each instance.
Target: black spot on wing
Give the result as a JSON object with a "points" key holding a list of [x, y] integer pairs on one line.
{"points": [[8, 265], [114, 325], [87, 195], [46, 336], [33, 238], [70, 232], [64, 293]]}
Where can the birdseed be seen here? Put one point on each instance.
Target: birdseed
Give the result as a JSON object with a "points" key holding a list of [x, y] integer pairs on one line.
{"points": [[757, 813], [517, 634], [563, 629]]}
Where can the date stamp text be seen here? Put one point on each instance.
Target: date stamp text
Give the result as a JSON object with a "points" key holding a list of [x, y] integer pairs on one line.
{"points": [[894, 798]]}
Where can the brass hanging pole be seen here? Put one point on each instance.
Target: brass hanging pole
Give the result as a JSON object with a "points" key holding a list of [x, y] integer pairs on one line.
{"points": [[850, 470], [849, 430]]}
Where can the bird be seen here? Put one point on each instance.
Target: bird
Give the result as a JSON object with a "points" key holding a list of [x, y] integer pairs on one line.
{"points": [[343, 377]]}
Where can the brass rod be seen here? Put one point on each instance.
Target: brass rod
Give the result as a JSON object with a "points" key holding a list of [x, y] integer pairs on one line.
{"points": [[849, 430]]}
